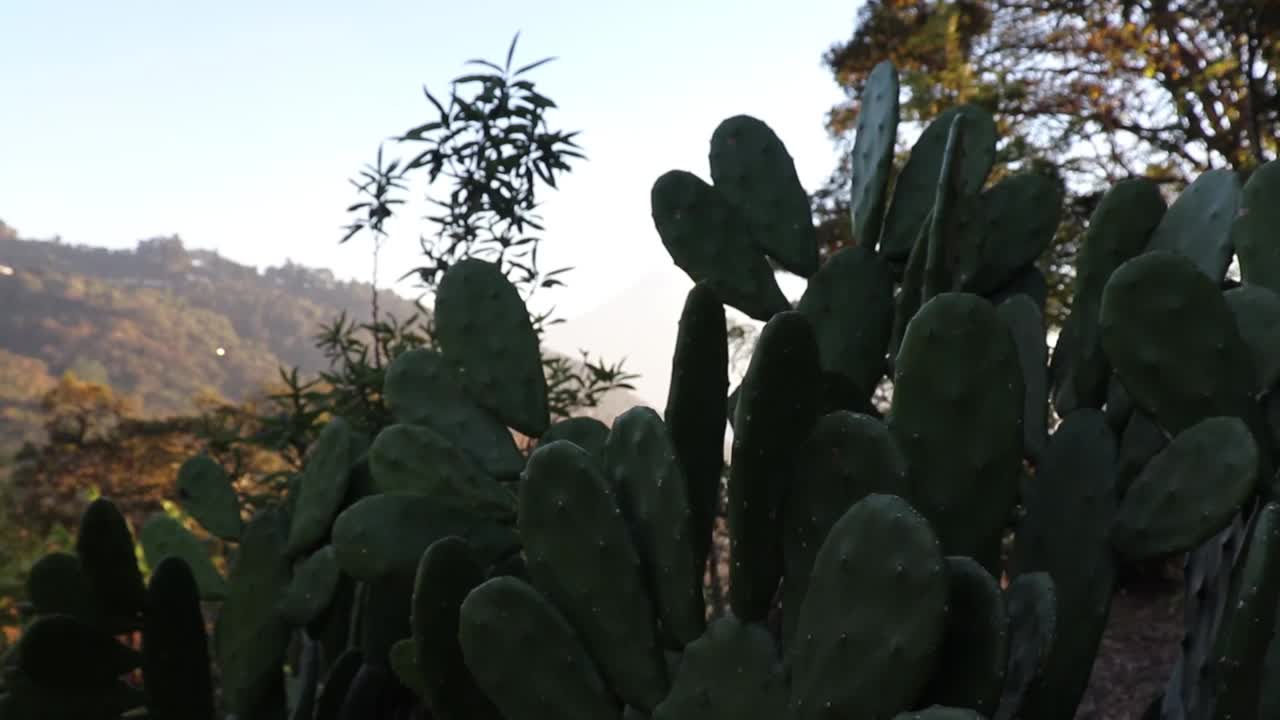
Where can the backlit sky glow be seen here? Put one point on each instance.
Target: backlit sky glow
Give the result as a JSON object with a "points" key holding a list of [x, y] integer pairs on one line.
{"points": [[237, 124]]}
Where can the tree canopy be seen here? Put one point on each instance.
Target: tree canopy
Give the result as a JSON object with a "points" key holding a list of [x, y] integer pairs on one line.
{"points": [[1101, 90]]}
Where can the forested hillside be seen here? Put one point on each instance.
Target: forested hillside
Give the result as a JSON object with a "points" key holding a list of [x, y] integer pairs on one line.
{"points": [[161, 323]]}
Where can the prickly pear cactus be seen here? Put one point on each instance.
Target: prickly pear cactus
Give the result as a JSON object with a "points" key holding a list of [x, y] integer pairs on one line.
{"points": [[432, 567], [753, 169]]}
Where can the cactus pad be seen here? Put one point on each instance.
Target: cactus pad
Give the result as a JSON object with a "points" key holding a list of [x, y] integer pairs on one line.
{"points": [[312, 589], [850, 305], [1172, 339], [845, 458], [1257, 313], [1254, 231], [175, 660], [708, 238], [752, 168], [957, 415], [731, 672], [205, 492], [1119, 229], [322, 486], [381, 536], [1017, 219], [649, 484], [1070, 507], [60, 653], [163, 537], [57, 585], [1198, 223], [777, 408], [422, 389], [891, 635], [697, 409], [975, 649], [1189, 491], [1026, 325], [447, 573], [526, 656], [916, 186], [105, 547], [251, 638], [581, 556], [484, 330], [1241, 648], [1032, 604], [416, 459], [871, 161], [587, 433]]}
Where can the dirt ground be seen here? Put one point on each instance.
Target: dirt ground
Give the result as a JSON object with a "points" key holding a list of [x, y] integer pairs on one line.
{"points": [[1139, 649]]}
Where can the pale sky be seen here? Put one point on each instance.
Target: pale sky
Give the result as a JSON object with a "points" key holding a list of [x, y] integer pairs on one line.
{"points": [[237, 124]]}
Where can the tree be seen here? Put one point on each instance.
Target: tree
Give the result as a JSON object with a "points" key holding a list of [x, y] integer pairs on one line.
{"points": [[81, 411], [1102, 89], [494, 147]]}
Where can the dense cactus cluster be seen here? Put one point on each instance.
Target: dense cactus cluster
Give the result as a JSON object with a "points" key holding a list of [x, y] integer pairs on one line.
{"points": [[435, 570]]}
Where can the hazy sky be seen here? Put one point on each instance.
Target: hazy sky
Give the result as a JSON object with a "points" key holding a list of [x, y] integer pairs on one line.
{"points": [[236, 125]]}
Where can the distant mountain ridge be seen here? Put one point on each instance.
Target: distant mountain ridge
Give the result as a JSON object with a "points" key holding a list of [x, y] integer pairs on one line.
{"points": [[162, 323]]}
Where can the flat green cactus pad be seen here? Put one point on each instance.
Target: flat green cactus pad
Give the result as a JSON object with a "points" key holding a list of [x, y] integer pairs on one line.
{"points": [[697, 407], [845, 458], [1241, 647], [891, 634], [957, 414], [1198, 223], [752, 168], [587, 433], [581, 556], [322, 486], [710, 240], [1174, 343], [1119, 229], [175, 646], [1032, 604], [916, 186], [312, 588], [1027, 327], [649, 483], [850, 305], [382, 536], [1016, 220], [1189, 491], [871, 161], [447, 573], [163, 537], [105, 546], [1254, 230], [418, 460], [527, 657], [58, 585], [206, 493], [731, 672], [975, 649], [1257, 313], [421, 388], [777, 408], [1070, 507], [484, 330], [251, 638]]}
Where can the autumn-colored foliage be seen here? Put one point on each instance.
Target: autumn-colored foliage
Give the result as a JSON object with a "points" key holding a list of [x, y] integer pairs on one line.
{"points": [[1100, 90]]}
